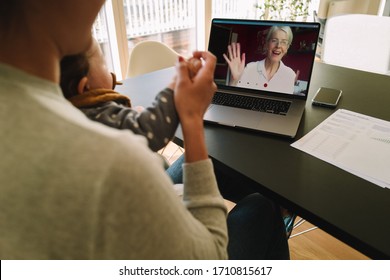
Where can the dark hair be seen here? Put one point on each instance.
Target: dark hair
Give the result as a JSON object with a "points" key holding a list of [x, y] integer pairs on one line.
{"points": [[73, 69], [11, 12]]}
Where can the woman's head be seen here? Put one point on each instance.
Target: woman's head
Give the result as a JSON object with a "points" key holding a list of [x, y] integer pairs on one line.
{"points": [[278, 41], [66, 23]]}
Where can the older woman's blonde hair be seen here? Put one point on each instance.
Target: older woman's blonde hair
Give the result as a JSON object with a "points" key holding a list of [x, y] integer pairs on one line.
{"points": [[275, 28]]}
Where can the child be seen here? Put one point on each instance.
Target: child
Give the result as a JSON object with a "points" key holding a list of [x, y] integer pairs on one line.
{"points": [[88, 85]]}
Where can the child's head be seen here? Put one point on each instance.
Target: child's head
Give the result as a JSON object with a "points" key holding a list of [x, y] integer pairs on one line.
{"points": [[85, 72], [74, 68], [99, 76]]}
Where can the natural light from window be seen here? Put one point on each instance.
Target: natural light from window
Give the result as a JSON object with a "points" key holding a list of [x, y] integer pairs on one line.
{"points": [[123, 23]]}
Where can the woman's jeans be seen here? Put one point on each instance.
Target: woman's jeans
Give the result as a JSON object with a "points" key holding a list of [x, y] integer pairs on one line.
{"points": [[255, 225]]}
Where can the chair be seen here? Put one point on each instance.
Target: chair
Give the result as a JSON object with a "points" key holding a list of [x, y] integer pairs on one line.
{"points": [[358, 41], [149, 56]]}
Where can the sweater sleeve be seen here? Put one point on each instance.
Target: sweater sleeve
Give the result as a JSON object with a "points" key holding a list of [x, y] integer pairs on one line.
{"points": [[141, 217], [157, 123]]}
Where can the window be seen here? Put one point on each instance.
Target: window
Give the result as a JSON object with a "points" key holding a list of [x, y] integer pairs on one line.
{"points": [[243, 9], [104, 31], [181, 24], [123, 23], [100, 32], [171, 22]]}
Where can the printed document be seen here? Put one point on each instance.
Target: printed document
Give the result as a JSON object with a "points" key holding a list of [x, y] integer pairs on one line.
{"points": [[355, 142]]}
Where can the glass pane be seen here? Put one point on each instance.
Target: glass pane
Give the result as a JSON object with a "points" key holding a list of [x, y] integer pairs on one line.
{"points": [[168, 21], [243, 9], [266, 9], [100, 33]]}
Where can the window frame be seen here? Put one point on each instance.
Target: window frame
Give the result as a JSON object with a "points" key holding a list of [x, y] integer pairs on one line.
{"points": [[117, 36]]}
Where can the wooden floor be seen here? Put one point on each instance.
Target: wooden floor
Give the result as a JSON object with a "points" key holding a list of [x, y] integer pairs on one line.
{"points": [[319, 245], [312, 245]]}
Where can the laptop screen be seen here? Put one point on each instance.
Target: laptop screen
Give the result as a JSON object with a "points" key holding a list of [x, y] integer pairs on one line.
{"points": [[274, 57]]}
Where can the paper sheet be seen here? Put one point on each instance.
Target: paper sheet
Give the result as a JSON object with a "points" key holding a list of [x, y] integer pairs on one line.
{"points": [[354, 142]]}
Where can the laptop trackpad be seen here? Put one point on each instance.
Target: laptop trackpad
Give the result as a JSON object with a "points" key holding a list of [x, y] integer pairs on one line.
{"points": [[233, 116]]}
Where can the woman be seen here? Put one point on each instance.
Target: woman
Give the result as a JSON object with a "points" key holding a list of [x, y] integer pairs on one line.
{"points": [[75, 189], [268, 74]]}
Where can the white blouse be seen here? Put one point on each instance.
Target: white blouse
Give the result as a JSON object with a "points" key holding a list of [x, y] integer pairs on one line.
{"points": [[254, 77]]}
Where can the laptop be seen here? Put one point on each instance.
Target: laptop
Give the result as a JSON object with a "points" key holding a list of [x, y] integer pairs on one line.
{"points": [[257, 100]]}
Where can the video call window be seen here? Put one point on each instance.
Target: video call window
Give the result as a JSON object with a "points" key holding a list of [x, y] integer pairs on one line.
{"points": [[297, 59]]}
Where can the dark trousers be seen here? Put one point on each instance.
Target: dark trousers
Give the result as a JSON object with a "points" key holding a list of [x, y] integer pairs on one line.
{"points": [[255, 225]]}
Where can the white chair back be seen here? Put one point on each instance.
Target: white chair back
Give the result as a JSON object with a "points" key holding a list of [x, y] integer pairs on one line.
{"points": [[358, 41], [149, 56]]}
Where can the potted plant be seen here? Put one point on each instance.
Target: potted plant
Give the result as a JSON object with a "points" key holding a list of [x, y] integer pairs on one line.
{"points": [[288, 10]]}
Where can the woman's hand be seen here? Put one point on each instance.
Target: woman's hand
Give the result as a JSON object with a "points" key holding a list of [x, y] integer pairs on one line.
{"points": [[192, 98], [194, 95], [236, 62]]}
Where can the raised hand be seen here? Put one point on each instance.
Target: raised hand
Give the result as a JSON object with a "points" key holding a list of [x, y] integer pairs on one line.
{"points": [[236, 62], [192, 97], [193, 94]]}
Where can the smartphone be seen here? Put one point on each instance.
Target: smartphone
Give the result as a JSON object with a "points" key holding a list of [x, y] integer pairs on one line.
{"points": [[327, 97]]}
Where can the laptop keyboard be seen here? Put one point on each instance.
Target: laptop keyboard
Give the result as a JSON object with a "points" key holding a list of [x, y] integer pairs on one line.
{"points": [[252, 103]]}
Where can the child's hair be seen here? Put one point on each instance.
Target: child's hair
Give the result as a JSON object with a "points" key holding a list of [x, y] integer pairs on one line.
{"points": [[73, 69]]}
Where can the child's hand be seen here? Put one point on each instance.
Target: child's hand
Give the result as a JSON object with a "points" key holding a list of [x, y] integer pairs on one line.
{"points": [[139, 109], [194, 64]]}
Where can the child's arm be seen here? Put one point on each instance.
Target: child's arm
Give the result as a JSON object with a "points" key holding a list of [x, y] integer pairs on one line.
{"points": [[157, 123]]}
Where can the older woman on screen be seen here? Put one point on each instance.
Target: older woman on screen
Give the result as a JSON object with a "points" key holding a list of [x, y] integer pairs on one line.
{"points": [[269, 74]]}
